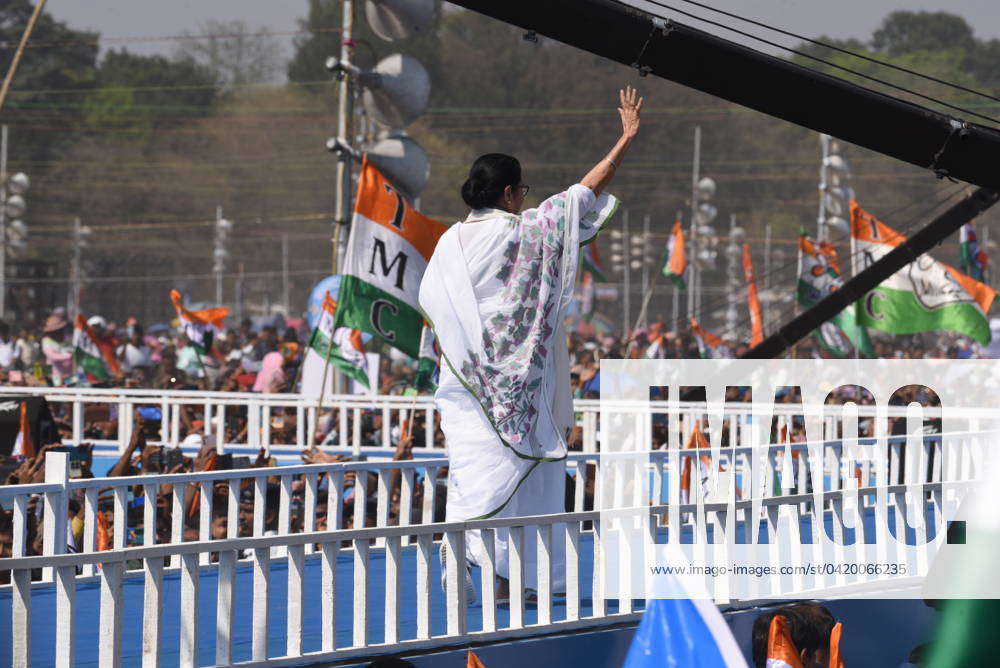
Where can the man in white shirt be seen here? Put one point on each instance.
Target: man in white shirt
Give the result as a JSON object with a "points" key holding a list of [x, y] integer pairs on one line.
{"points": [[8, 351], [134, 353]]}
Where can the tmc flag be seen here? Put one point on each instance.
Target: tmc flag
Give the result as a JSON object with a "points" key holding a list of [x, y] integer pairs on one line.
{"points": [[924, 296], [387, 253]]}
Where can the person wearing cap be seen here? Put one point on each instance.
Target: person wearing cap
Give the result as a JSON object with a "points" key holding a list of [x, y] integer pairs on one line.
{"points": [[57, 354]]}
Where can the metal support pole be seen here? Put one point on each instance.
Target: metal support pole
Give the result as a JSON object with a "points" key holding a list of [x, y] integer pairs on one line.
{"points": [[824, 141], [284, 275], [76, 269], [693, 236], [218, 257], [345, 111], [3, 220], [627, 288], [767, 272]]}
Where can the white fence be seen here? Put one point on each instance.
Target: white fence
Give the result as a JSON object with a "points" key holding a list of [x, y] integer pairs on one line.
{"points": [[393, 537]]}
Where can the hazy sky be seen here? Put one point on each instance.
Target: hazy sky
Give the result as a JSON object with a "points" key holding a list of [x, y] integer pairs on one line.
{"points": [[164, 18]]}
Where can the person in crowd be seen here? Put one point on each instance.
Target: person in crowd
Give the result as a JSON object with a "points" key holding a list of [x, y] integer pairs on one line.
{"points": [[271, 378], [811, 627], [496, 292], [58, 355], [134, 353]]}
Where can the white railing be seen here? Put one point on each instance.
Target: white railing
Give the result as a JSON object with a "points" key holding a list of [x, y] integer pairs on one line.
{"points": [[393, 535]]}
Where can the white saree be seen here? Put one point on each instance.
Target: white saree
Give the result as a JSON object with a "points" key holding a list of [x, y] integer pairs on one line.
{"points": [[496, 292]]}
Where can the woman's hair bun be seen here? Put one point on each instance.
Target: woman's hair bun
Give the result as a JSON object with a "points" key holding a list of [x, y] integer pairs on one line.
{"points": [[488, 177]]}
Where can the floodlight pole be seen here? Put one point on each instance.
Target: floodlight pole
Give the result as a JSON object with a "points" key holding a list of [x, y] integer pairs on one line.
{"points": [[692, 288], [345, 113], [3, 220]]}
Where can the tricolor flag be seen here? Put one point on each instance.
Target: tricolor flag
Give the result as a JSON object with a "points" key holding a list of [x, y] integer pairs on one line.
{"points": [[199, 326], [781, 651], [753, 302], [819, 277], [973, 258], [590, 261], [710, 345], [428, 368], [387, 254], [688, 632], [676, 266], [98, 361], [342, 347], [925, 295]]}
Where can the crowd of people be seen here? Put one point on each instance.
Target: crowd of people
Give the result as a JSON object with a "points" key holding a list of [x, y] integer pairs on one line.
{"points": [[265, 356]]}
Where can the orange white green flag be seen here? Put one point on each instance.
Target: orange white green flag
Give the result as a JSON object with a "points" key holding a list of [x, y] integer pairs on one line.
{"points": [[341, 347], [99, 362], [388, 250], [925, 295], [676, 266], [199, 326], [710, 345]]}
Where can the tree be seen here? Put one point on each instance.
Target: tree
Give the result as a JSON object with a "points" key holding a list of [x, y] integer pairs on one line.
{"points": [[58, 64], [233, 53], [904, 32], [136, 93]]}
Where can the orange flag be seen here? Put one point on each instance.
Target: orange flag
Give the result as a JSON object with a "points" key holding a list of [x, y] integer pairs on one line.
{"points": [[24, 445], [472, 661], [835, 660], [199, 326], [103, 532], [756, 321], [676, 267], [781, 651]]}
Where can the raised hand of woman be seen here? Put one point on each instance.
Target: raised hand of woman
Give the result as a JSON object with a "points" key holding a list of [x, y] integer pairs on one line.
{"points": [[630, 106]]}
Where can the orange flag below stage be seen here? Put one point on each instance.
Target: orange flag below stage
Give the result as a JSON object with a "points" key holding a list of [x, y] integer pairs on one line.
{"points": [[781, 651], [472, 661], [756, 321], [835, 660], [24, 445]]}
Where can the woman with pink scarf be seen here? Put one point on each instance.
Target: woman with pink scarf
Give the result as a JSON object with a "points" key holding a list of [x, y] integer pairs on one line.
{"points": [[271, 377]]}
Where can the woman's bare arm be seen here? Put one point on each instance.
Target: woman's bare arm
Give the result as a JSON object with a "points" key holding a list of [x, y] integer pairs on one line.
{"points": [[598, 178]]}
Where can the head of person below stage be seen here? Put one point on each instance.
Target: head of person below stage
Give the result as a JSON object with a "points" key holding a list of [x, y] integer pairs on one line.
{"points": [[495, 183], [810, 626]]}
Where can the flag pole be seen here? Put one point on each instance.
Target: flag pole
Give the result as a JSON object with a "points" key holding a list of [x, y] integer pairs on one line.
{"points": [[322, 387]]}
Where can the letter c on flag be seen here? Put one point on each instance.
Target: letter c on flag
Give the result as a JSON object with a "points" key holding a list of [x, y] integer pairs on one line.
{"points": [[870, 305], [376, 315]]}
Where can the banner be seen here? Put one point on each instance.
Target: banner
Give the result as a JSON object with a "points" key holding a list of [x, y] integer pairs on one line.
{"points": [[925, 295], [753, 302], [676, 267], [388, 250], [819, 276]]}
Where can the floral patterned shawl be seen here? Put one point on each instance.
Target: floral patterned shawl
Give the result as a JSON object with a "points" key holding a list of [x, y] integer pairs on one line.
{"points": [[508, 362]]}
